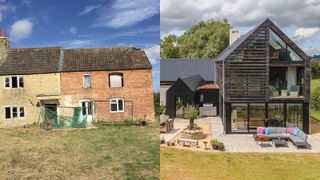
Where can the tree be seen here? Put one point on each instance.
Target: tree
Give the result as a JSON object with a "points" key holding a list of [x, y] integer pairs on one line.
{"points": [[156, 96], [315, 99], [169, 47], [191, 113], [315, 69], [203, 40]]}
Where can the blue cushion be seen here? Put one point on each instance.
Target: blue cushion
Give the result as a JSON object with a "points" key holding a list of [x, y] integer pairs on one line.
{"points": [[268, 131], [295, 132]]}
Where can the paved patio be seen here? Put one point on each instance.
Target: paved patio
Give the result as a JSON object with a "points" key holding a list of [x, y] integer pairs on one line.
{"points": [[240, 143], [244, 143]]}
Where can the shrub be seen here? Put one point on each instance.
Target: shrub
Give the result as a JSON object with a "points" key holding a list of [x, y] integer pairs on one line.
{"points": [[315, 99], [163, 109], [217, 145]]}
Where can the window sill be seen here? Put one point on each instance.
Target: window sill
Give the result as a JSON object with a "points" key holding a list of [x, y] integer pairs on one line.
{"points": [[116, 111]]}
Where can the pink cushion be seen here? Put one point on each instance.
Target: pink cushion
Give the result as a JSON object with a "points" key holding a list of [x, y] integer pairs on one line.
{"points": [[262, 130], [291, 130]]}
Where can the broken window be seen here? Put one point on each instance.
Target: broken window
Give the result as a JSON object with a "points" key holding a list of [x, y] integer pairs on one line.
{"points": [[21, 81], [86, 81], [14, 82], [21, 112], [7, 82], [8, 112], [14, 112], [116, 80]]}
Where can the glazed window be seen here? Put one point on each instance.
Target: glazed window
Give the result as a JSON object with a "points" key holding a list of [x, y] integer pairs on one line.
{"points": [[14, 82], [116, 80], [14, 112], [117, 105], [86, 81]]}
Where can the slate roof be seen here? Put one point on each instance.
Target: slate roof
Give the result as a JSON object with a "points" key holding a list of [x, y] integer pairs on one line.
{"points": [[237, 43], [193, 81], [172, 69], [121, 58], [23, 61]]}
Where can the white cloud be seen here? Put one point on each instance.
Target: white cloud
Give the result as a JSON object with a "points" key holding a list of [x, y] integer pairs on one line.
{"points": [[302, 34], [88, 9], [181, 14], [125, 13], [21, 29], [153, 53], [73, 30]]}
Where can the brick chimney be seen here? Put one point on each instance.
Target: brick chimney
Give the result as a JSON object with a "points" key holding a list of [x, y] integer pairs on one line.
{"points": [[234, 34], [4, 44]]}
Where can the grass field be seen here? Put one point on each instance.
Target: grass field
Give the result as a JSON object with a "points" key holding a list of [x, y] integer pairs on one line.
{"points": [[106, 152], [184, 164]]}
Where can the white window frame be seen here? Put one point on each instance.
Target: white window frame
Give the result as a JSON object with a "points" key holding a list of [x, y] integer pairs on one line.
{"points": [[10, 82], [117, 103], [11, 112], [116, 74], [84, 81]]}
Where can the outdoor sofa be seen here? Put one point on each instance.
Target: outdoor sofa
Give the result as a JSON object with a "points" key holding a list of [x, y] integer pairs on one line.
{"points": [[298, 139]]}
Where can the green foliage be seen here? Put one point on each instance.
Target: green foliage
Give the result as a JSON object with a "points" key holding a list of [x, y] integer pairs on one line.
{"points": [[163, 109], [315, 99], [170, 47], [203, 40], [156, 96], [217, 144], [315, 69], [191, 113]]}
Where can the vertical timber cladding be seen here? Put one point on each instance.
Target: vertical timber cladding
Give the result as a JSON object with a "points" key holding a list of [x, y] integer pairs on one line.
{"points": [[246, 70]]}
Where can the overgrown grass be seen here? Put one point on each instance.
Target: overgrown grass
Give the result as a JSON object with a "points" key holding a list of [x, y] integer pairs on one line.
{"points": [[184, 164], [106, 152], [314, 84]]}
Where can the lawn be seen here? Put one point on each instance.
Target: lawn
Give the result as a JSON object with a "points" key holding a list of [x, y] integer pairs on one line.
{"points": [[186, 164], [106, 152], [315, 114]]}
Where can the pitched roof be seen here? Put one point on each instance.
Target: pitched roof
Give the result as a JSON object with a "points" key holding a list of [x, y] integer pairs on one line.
{"points": [[172, 69], [209, 86], [193, 81], [119, 58], [225, 54], [23, 61], [30, 61]]}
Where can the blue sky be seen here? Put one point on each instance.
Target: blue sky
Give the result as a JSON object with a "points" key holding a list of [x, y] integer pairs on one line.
{"points": [[300, 20], [84, 23]]}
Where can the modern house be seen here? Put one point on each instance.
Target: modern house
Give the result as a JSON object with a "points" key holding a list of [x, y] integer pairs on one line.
{"points": [[110, 84], [264, 79], [188, 81]]}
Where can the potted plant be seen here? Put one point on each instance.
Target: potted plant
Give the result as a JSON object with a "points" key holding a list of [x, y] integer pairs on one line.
{"points": [[217, 145]]}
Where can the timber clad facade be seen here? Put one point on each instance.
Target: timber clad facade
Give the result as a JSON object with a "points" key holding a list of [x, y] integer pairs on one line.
{"points": [[110, 84], [264, 79]]}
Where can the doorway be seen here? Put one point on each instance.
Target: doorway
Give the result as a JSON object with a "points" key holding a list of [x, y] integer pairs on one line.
{"points": [[87, 110], [179, 107]]}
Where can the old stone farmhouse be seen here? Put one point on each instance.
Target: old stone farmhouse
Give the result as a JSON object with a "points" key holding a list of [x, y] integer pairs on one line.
{"points": [[110, 84]]}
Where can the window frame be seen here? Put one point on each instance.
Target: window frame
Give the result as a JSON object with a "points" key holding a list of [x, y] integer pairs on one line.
{"points": [[116, 74], [83, 81], [117, 103], [11, 112], [10, 82]]}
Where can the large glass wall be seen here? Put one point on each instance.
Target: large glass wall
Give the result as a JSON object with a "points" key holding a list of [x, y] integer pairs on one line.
{"points": [[239, 117], [246, 117], [276, 115], [256, 116], [294, 115]]}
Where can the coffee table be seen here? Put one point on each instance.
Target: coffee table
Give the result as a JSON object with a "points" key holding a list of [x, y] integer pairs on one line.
{"points": [[279, 142], [261, 138]]}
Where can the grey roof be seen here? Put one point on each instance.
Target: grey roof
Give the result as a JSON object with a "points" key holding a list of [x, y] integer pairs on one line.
{"points": [[172, 69], [193, 81], [23, 61], [237, 43]]}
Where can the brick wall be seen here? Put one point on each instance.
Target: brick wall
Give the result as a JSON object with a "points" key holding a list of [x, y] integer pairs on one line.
{"points": [[137, 93]]}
